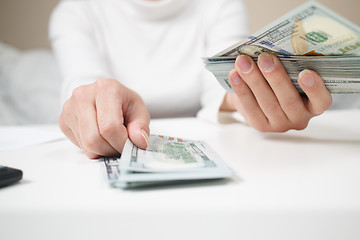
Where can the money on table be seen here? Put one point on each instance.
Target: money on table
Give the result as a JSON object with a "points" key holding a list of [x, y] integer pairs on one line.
{"points": [[309, 37], [166, 160]]}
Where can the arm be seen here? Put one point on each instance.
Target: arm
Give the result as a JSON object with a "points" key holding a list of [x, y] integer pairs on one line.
{"points": [[74, 44], [99, 113], [223, 28]]}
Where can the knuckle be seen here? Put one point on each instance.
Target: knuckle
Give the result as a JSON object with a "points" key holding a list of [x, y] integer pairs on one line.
{"points": [[107, 128], [67, 108], [78, 93], [301, 123], [262, 129], [293, 105], [251, 112], [61, 122], [91, 143], [105, 82], [272, 107], [109, 86], [301, 126], [280, 126], [67, 113], [283, 128], [91, 155], [115, 91], [259, 127]]}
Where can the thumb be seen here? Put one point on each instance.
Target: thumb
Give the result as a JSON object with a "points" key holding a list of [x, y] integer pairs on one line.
{"points": [[137, 123]]}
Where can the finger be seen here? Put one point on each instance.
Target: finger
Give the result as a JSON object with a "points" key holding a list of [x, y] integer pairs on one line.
{"points": [[263, 93], [93, 144], [319, 97], [68, 131], [69, 125], [246, 102], [137, 121], [288, 97], [109, 103]]}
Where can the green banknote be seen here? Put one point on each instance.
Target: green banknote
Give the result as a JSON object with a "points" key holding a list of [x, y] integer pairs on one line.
{"points": [[166, 160], [309, 37]]}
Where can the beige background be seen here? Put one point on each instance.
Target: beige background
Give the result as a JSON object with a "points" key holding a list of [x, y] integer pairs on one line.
{"points": [[23, 23]]}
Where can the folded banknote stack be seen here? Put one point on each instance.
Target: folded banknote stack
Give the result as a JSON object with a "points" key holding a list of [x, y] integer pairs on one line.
{"points": [[309, 37], [166, 160]]}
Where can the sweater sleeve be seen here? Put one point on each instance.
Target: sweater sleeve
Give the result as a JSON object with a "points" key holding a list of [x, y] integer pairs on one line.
{"points": [[74, 44], [226, 24]]}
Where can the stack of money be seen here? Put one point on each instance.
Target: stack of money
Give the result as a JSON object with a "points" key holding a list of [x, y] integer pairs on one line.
{"points": [[166, 160], [309, 37]]}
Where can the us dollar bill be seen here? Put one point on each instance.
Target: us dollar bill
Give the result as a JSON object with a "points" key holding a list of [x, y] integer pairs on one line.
{"points": [[307, 31], [166, 160], [311, 29], [340, 74]]}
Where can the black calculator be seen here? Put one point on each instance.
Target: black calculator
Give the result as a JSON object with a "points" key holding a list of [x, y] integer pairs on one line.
{"points": [[9, 175]]}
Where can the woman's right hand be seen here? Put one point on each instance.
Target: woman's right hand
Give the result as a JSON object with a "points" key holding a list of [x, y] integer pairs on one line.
{"points": [[99, 117]]}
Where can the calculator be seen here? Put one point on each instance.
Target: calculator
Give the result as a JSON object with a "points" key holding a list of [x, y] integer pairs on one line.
{"points": [[9, 175]]}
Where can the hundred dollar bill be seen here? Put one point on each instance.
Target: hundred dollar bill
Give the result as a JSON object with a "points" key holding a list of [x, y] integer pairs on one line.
{"points": [[112, 170], [340, 74], [111, 166], [309, 37], [166, 160], [311, 29]]}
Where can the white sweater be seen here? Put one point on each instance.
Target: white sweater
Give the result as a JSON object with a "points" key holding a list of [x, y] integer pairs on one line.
{"points": [[152, 47]]}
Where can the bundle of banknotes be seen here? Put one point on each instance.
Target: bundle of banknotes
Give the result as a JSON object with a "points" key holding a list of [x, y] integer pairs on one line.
{"points": [[166, 160], [309, 37]]}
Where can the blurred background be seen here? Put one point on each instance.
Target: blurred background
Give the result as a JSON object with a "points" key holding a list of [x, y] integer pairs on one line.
{"points": [[23, 23], [29, 81]]}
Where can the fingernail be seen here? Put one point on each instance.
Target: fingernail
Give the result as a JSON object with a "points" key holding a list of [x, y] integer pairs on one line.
{"points": [[235, 78], [307, 78], [145, 136], [244, 64], [266, 62]]}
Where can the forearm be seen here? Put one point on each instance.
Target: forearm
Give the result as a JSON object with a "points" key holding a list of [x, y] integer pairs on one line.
{"points": [[75, 47]]}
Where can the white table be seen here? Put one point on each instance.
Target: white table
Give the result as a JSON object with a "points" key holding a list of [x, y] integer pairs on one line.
{"points": [[295, 185]]}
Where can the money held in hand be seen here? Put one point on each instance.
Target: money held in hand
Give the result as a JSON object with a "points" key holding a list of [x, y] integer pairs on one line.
{"points": [[166, 160], [309, 37]]}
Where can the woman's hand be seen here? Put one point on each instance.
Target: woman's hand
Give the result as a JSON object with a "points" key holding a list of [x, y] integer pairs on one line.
{"points": [[266, 97], [99, 117]]}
